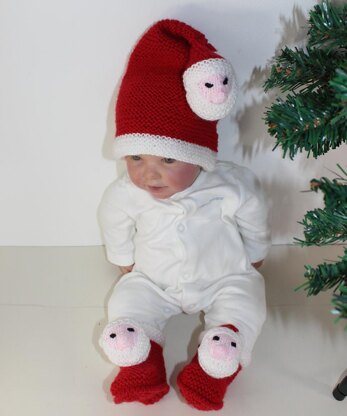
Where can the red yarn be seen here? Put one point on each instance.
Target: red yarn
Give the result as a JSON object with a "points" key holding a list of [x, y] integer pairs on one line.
{"points": [[230, 326], [152, 99], [201, 390], [145, 382]]}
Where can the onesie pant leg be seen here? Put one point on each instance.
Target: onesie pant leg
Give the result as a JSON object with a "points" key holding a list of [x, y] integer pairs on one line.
{"points": [[137, 298], [242, 304], [233, 322], [133, 339]]}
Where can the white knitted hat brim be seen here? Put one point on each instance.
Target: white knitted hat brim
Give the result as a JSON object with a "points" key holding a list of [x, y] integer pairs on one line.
{"points": [[168, 147]]}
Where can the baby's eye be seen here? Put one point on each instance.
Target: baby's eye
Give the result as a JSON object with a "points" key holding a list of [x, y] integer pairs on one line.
{"points": [[135, 157], [169, 160]]}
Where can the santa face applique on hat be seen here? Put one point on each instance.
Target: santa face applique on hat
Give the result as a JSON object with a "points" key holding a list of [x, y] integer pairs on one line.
{"points": [[175, 89]]}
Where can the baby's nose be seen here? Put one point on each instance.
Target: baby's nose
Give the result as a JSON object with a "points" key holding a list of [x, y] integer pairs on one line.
{"points": [[151, 173]]}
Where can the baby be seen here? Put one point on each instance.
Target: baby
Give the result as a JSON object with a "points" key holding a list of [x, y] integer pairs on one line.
{"points": [[187, 232]]}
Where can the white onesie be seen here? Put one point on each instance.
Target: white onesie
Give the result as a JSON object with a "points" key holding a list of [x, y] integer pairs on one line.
{"points": [[191, 252]]}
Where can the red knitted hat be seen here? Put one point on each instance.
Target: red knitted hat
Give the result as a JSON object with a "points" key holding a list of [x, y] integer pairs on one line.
{"points": [[175, 88]]}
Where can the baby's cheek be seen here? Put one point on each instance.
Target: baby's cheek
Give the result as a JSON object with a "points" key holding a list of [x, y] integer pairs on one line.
{"points": [[137, 180], [184, 176]]}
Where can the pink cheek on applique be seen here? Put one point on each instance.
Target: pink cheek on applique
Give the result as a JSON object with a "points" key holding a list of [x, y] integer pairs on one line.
{"points": [[215, 89], [122, 337], [221, 347]]}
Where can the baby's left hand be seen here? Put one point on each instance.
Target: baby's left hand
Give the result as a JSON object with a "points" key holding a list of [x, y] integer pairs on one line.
{"points": [[258, 264], [126, 269]]}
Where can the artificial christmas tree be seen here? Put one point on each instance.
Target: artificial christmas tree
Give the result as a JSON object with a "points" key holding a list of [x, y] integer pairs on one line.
{"points": [[312, 118]]}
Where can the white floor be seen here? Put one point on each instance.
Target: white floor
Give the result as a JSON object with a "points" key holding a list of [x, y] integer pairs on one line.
{"points": [[52, 309]]}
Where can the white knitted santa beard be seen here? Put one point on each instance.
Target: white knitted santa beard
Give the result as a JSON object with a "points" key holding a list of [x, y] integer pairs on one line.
{"points": [[219, 368], [139, 352], [197, 72]]}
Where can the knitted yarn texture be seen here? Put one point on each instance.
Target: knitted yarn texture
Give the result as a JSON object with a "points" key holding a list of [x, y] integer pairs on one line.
{"points": [[201, 390], [145, 382], [175, 88]]}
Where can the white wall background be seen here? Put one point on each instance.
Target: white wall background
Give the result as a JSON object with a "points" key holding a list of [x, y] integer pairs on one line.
{"points": [[60, 65]]}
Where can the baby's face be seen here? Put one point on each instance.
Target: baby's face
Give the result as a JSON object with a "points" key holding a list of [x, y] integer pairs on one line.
{"points": [[159, 176]]}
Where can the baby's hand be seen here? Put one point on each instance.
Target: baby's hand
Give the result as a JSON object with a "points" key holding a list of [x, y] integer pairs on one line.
{"points": [[126, 269], [258, 264]]}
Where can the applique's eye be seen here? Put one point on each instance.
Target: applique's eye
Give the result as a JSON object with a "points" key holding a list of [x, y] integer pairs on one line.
{"points": [[208, 85], [216, 338], [131, 329], [113, 335], [233, 344], [225, 82]]}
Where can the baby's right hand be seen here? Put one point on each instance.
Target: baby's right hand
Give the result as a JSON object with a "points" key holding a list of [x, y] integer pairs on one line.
{"points": [[126, 269]]}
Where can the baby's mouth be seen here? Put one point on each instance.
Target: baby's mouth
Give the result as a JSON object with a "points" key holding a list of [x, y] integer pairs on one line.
{"points": [[155, 188]]}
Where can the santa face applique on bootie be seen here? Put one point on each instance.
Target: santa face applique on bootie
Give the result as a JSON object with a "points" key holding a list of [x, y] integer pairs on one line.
{"points": [[142, 375], [204, 381]]}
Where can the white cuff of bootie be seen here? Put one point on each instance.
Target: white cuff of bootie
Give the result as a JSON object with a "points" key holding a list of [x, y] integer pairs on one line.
{"points": [[219, 368], [139, 352]]}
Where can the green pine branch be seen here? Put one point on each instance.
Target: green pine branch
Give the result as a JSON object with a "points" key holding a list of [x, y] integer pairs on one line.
{"points": [[328, 225], [327, 26], [340, 302], [339, 87], [304, 123], [329, 276], [303, 70], [322, 228], [325, 276], [312, 117]]}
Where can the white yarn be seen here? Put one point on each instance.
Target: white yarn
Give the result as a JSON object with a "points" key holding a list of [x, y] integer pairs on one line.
{"points": [[219, 368], [126, 358], [197, 72], [168, 147], [153, 333]]}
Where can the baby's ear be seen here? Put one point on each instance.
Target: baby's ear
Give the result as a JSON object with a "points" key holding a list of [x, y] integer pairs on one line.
{"points": [[211, 88]]}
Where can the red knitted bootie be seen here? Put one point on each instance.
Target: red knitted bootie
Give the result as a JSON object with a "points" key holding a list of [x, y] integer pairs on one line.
{"points": [[204, 381], [144, 382], [201, 390]]}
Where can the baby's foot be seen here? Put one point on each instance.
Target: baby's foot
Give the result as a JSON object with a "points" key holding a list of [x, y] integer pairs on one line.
{"points": [[204, 381], [219, 352], [145, 382], [125, 343]]}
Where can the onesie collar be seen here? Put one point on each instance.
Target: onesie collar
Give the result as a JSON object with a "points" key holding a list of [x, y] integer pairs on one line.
{"points": [[196, 184]]}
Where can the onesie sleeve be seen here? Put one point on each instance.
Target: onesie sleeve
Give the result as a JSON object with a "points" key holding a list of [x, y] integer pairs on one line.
{"points": [[252, 217], [117, 226]]}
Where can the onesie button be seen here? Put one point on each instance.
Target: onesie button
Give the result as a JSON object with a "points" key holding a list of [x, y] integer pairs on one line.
{"points": [[181, 228]]}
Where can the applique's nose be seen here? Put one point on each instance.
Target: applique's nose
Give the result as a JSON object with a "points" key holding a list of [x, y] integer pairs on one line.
{"points": [[222, 347], [218, 97], [216, 89], [123, 337]]}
